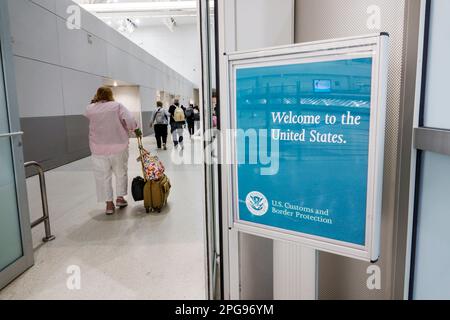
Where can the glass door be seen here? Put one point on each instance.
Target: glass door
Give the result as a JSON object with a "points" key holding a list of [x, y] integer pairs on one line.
{"points": [[207, 18], [430, 262], [16, 254]]}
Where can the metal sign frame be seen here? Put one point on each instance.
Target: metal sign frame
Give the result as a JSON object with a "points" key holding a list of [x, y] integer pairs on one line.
{"points": [[373, 46]]}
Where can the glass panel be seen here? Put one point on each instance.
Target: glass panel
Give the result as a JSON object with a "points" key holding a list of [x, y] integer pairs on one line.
{"points": [[211, 90], [437, 111], [4, 123], [10, 236], [432, 265]]}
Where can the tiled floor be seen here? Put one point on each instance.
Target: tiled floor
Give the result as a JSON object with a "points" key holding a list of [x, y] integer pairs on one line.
{"points": [[131, 255]]}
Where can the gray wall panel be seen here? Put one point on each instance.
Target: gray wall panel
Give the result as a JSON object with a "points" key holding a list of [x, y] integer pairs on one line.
{"points": [[256, 259], [146, 118], [44, 139], [39, 90], [55, 141], [33, 31], [78, 90], [148, 99], [79, 54], [47, 4], [77, 136]]}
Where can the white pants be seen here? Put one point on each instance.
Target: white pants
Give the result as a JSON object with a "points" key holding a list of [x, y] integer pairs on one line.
{"points": [[177, 133], [104, 168]]}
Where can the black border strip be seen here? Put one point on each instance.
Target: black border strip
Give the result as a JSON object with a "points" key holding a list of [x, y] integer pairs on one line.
{"points": [[419, 152]]}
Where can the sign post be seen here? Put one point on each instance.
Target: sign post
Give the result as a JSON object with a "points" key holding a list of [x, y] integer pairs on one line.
{"points": [[308, 147]]}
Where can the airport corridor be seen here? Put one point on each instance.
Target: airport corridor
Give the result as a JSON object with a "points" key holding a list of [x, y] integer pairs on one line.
{"points": [[130, 255]]}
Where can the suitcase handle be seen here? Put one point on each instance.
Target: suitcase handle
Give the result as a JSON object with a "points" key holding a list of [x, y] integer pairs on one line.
{"points": [[141, 152]]}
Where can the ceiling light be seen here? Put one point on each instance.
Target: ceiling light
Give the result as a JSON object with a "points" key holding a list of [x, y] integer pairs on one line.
{"points": [[140, 6], [127, 25], [170, 23]]}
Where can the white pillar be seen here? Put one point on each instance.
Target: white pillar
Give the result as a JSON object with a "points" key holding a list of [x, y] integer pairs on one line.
{"points": [[294, 272]]}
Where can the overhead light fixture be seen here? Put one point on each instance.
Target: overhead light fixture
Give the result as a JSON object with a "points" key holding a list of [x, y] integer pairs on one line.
{"points": [[127, 25], [170, 23], [140, 6]]}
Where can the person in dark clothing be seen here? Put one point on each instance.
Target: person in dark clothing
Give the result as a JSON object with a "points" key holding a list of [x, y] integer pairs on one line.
{"points": [[177, 122], [196, 118], [160, 122], [190, 118]]}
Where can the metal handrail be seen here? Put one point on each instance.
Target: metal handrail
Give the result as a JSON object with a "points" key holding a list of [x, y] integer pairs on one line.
{"points": [[12, 134], [46, 218]]}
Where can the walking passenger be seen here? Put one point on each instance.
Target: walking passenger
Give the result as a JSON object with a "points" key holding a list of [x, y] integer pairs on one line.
{"points": [[190, 118], [177, 122], [160, 123], [109, 126], [196, 119]]}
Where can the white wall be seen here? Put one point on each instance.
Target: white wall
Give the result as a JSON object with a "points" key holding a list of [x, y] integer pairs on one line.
{"points": [[130, 97], [58, 70], [264, 23], [179, 49]]}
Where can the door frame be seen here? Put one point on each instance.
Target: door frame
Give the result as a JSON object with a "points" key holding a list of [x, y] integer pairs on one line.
{"points": [[213, 214], [426, 139], [18, 267]]}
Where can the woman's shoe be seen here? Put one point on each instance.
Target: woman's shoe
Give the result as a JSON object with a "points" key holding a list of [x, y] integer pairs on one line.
{"points": [[121, 203], [110, 209], [164, 146]]}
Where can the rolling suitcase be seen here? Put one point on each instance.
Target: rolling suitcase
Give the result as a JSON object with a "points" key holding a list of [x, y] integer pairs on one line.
{"points": [[156, 194], [156, 186]]}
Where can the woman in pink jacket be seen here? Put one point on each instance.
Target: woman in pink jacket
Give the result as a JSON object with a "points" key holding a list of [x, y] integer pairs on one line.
{"points": [[109, 126]]}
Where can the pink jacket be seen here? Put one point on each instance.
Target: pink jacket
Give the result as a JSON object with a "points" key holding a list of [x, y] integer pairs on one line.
{"points": [[109, 126]]}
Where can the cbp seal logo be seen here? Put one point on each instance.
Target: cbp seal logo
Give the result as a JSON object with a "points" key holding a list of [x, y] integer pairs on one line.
{"points": [[257, 203]]}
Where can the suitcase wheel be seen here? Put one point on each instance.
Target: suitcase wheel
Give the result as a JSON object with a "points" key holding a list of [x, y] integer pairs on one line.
{"points": [[147, 210]]}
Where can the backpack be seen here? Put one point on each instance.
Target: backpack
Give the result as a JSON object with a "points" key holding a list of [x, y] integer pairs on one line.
{"points": [[196, 115], [160, 117], [189, 113], [179, 115]]}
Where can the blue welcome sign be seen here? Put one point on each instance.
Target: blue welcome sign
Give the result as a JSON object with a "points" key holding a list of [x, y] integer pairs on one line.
{"points": [[309, 148]]}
